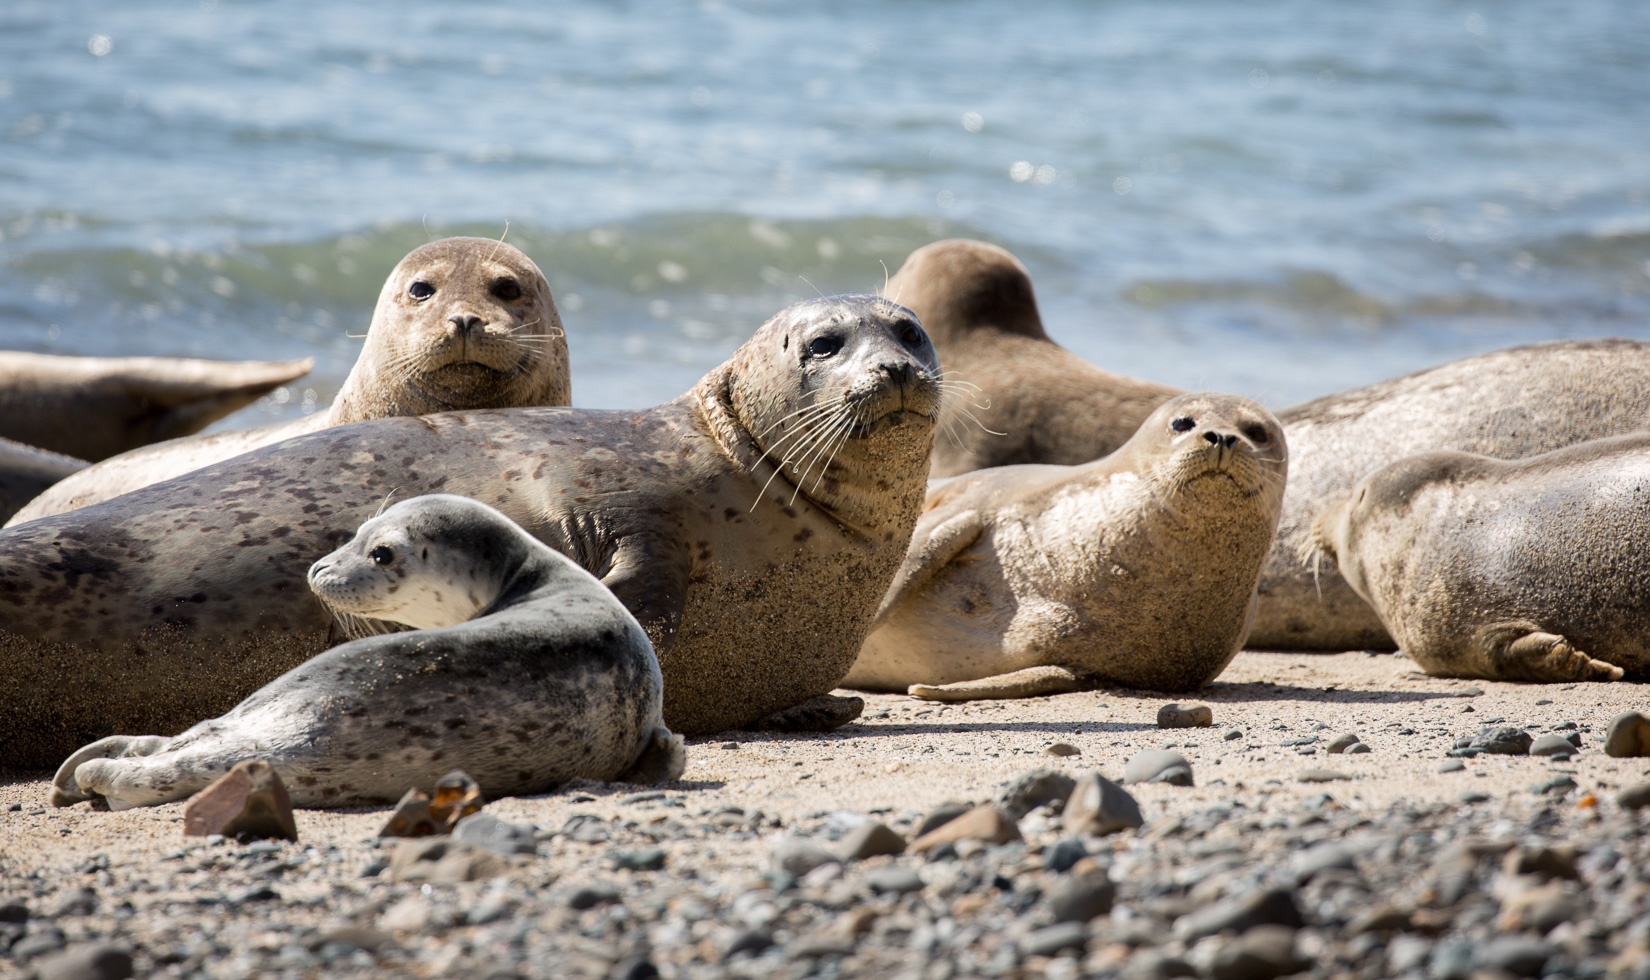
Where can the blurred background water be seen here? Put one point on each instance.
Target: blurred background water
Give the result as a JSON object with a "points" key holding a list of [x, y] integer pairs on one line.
{"points": [[1280, 198]]}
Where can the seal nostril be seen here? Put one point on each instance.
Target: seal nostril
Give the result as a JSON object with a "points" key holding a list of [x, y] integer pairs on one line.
{"points": [[898, 372], [466, 322], [1230, 441], [1212, 437]]}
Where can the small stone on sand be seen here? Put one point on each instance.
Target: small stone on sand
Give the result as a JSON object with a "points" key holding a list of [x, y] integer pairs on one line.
{"points": [[248, 799]]}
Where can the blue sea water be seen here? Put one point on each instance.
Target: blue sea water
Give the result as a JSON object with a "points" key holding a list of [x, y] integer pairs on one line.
{"points": [[1280, 198]]}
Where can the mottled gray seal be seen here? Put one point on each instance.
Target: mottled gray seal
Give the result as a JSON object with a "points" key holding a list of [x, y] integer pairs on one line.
{"points": [[460, 323], [1136, 569], [1029, 400], [523, 670], [751, 526], [94, 407], [26, 471], [1529, 570]]}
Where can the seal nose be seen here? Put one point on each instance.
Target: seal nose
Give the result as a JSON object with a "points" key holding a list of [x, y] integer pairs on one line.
{"points": [[1217, 439], [897, 373], [465, 323]]}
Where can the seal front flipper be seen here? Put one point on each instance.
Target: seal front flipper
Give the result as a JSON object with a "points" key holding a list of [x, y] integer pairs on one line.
{"points": [[1522, 651], [823, 713], [1028, 683], [67, 791], [650, 577], [663, 759], [931, 551]]}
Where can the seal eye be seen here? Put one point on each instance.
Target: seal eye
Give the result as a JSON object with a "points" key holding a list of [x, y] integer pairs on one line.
{"points": [[912, 335], [381, 555], [1182, 424], [507, 289], [1257, 434], [420, 290], [824, 346]]}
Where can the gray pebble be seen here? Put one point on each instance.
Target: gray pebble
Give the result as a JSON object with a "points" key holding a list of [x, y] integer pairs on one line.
{"points": [[1357, 748], [1551, 744], [1099, 806], [1053, 939], [496, 835], [893, 879], [1557, 784], [1502, 741], [1322, 857], [798, 856], [1262, 953], [647, 859], [753, 941], [591, 895], [1450, 961], [1268, 906], [1081, 898], [1342, 743], [1452, 765], [1034, 789], [1064, 854], [1154, 765], [1634, 797], [79, 901], [646, 796], [940, 816], [1233, 735], [86, 961], [37, 944], [1185, 716], [1472, 796], [869, 839], [1319, 776], [1521, 956]]}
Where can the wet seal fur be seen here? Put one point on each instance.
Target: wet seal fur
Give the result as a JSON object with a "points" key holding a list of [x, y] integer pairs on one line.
{"points": [[1532, 570], [1137, 569], [751, 526], [92, 408], [461, 323], [523, 671], [1028, 400]]}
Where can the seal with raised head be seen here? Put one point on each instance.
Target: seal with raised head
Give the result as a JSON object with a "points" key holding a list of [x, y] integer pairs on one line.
{"points": [[1536, 569], [461, 323], [1017, 396], [522, 670], [1137, 569], [95, 407], [751, 526]]}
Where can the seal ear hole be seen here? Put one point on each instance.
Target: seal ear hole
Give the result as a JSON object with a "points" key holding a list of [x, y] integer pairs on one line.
{"points": [[381, 555], [1183, 424], [824, 346], [507, 289], [425, 555], [420, 290], [1257, 434]]}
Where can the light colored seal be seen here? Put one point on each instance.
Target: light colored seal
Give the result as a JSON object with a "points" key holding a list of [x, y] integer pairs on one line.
{"points": [[25, 472], [94, 407], [1509, 404], [1017, 396], [460, 323], [1137, 569], [751, 526], [523, 670], [1531, 570]]}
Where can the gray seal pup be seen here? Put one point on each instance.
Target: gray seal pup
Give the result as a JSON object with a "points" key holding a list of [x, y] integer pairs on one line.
{"points": [[1017, 396], [460, 323], [751, 526], [1525, 570], [26, 471], [522, 670], [1137, 569], [95, 407]]}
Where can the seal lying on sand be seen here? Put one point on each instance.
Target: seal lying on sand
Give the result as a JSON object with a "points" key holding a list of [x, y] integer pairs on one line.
{"points": [[751, 526], [460, 323], [1534, 570], [1031, 400], [94, 407], [524, 671], [1137, 569], [26, 471]]}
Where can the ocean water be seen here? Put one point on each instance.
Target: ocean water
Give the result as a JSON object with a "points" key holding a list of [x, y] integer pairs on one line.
{"points": [[1280, 198]]}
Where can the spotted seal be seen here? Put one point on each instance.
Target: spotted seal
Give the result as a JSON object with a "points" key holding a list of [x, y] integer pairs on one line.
{"points": [[1136, 569], [523, 670], [751, 526], [26, 471], [460, 323]]}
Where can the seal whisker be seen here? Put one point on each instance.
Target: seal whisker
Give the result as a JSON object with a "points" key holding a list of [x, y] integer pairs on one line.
{"points": [[842, 440], [839, 425], [500, 241]]}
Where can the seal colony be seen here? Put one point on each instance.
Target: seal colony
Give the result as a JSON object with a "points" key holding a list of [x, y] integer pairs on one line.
{"points": [[460, 323], [751, 526], [523, 671], [1138, 569]]}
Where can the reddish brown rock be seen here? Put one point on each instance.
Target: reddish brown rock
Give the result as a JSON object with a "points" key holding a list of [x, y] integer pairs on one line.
{"points": [[456, 797], [248, 799], [985, 823], [412, 818]]}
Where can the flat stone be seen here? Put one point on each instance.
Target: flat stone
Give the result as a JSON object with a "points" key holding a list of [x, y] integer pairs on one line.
{"points": [[355, 937], [1266, 906], [1521, 956], [1558, 784], [1342, 743], [1064, 854], [1634, 797], [1322, 857], [37, 944], [941, 815], [797, 855], [893, 879], [1155, 765], [248, 799], [1262, 953], [1380, 919], [983, 823], [591, 895], [1319, 776], [1552, 744], [85, 961], [645, 796], [1034, 789], [75, 901], [1628, 737], [1472, 796], [1054, 939], [820, 945], [1232, 735], [411, 817], [646, 859], [1357, 748], [1185, 716], [443, 860], [456, 796], [1082, 897], [1502, 741], [1062, 750], [1099, 806], [1545, 863], [1452, 765], [496, 835], [869, 839]]}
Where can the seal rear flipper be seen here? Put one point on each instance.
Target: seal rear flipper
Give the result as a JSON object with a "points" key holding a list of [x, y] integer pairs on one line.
{"points": [[1028, 683], [823, 713], [663, 759], [1524, 652], [67, 791]]}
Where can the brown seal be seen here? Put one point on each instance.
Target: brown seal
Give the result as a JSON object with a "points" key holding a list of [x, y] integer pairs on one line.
{"points": [[95, 407], [751, 526], [460, 323], [1136, 569], [1530, 570], [1017, 396]]}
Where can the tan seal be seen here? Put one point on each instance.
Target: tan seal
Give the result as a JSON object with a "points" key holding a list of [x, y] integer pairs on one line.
{"points": [[1029, 400], [751, 526], [1530, 570], [461, 323], [95, 407], [1136, 569]]}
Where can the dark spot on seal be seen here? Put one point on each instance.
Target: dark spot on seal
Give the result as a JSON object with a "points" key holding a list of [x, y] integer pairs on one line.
{"points": [[803, 535]]}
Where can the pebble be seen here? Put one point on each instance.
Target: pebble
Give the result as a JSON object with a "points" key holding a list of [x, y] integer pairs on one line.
{"points": [[1034, 789], [869, 839], [798, 855], [1233, 735], [1628, 737], [1472, 796], [1452, 765], [76, 901], [1082, 897], [1521, 956], [1185, 716], [1551, 744], [1502, 741], [941, 815], [1319, 776], [1322, 857], [411, 817], [456, 796], [893, 879], [1158, 766], [1267, 906], [37, 944], [646, 796], [1099, 806], [1557, 784], [1342, 743], [496, 835], [751, 941], [1062, 750], [1357, 748], [1059, 937], [1634, 797], [86, 961], [442, 860], [1064, 854], [249, 800], [1262, 953], [646, 859], [631, 968], [984, 823], [591, 895]]}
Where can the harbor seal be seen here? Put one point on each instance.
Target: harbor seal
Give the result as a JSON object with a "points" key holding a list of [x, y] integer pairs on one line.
{"points": [[1017, 396], [1528, 570], [1136, 569], [92, 408], [26, 471], [751, 526], [460, 323], [523, 670]]}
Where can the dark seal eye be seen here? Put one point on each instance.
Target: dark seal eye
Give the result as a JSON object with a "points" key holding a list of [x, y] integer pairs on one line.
{"points": [[420, 290], [912, 335], [824, 346], [507, 289], [381, 555], [1182, 424], [1257, 434]]}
